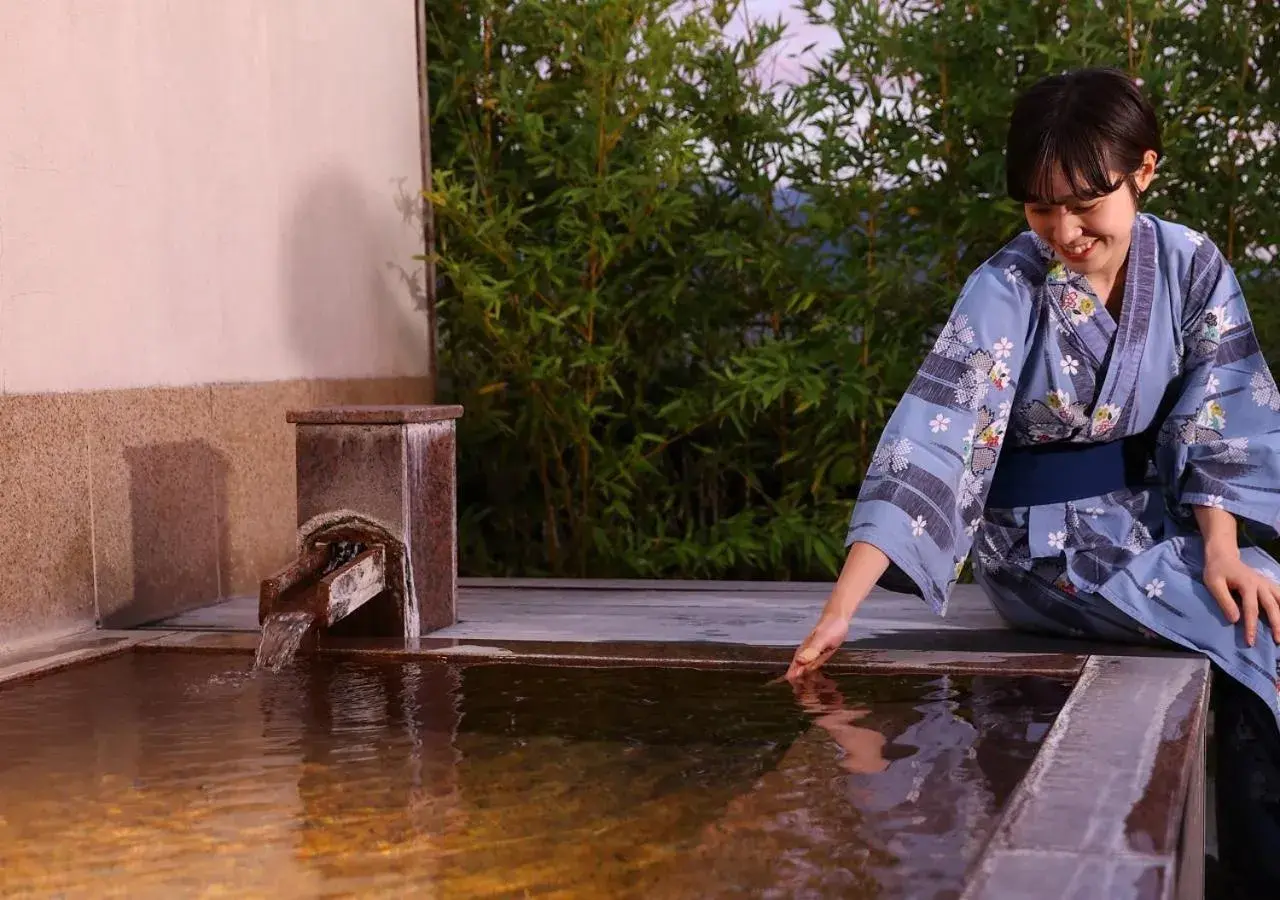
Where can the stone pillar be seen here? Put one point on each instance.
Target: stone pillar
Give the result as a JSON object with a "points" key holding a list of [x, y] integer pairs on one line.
{"points": [[394, 465]]}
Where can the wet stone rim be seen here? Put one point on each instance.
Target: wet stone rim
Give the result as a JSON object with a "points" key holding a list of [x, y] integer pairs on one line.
{"points": [[1065, 666], [1113, 803]]}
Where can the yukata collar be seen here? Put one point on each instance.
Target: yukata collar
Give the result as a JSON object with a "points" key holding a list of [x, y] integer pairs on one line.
{"points": [[1056, 271], [1115, 347]]}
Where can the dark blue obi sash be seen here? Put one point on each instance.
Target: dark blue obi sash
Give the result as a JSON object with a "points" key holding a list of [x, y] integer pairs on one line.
{"points": [[1057, 473]]}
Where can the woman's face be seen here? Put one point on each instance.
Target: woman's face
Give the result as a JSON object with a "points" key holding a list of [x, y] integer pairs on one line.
{"points": [[1090, 236]]}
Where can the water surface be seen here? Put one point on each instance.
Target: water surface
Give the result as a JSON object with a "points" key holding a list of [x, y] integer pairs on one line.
{"points": [[167, 774]]}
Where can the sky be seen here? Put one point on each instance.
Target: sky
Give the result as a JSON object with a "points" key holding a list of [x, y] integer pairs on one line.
{"points": [[799, 34]]}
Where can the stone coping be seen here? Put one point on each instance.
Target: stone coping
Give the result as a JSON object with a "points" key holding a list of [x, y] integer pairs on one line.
{"points": [[772, 660], [373, 415]]}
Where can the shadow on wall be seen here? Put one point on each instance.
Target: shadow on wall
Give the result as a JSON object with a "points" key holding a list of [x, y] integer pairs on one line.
{"points": [[181, 546], [412, 274], [351, 283]]}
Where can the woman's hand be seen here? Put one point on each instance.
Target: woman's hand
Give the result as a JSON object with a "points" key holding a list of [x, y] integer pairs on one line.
{"points": [[1224, 573], [816, 649], [862, 568]]}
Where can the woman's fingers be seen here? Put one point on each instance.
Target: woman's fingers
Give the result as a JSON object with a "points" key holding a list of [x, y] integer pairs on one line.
{"points": [[811, 655], [1269, 598], [825, 654], [1222, 594], [818, 647], [1249, 605], [806, 655], [815, 650]]}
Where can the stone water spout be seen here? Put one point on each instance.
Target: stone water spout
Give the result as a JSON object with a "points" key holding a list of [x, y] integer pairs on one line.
{"points": [[377, 529]]}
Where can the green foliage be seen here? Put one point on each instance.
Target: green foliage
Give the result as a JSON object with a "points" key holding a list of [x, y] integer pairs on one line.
{"points": [[673, 368]]}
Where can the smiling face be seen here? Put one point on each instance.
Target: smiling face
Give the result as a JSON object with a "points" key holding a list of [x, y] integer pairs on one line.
{"points": [[1090, 235]]}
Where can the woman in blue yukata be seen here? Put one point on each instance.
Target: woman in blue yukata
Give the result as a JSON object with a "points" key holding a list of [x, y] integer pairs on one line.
{"points": [[1094, 422]]}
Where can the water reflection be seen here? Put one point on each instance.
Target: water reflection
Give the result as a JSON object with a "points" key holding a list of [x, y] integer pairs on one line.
{"points": [[863, 747], [156, 774], [929, 775], [377, 775]]}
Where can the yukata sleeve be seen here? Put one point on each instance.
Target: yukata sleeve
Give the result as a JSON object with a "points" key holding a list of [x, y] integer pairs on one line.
{"points": [[1220, 442], [922, 499]]}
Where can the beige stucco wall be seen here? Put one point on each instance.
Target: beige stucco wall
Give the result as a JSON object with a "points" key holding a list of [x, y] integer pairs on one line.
{"points": [[198, 192], [201, 227]]}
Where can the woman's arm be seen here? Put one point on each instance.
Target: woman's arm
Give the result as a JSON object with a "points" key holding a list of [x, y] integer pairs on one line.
{"points": [[1225, 572], [1218, 527], [926, 484], [862, 569]]}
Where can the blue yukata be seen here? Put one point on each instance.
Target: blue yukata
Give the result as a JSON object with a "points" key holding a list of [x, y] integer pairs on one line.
{"points": [[1171, 407]]}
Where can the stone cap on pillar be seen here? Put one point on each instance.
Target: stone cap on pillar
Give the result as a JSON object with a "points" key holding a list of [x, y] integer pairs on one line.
{"points": [[373, 415]]}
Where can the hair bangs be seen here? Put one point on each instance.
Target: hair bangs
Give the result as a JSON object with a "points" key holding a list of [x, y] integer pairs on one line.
{"points": [[1081, 159]]}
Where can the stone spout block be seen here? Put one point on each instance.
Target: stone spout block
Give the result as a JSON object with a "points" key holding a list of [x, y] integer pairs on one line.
{"points": [[392, 471]]}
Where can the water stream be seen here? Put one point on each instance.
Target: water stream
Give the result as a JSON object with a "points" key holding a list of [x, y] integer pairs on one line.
{"points": [[282, 635]]}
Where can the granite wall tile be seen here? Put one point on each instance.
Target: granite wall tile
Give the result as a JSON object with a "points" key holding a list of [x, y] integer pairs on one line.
{"points": [[251, 432], [159, 502], [46, 582]]}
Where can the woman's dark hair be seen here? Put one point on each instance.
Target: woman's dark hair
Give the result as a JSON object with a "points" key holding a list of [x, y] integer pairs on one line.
{"points": [[1085, 124]]}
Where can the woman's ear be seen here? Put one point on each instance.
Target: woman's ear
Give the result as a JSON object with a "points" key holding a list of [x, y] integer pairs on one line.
{"points": [[1146, 171]]}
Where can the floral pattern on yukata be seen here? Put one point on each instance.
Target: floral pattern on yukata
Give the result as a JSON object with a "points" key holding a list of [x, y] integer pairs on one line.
{"points": [[1078, 305], [931, 482]]}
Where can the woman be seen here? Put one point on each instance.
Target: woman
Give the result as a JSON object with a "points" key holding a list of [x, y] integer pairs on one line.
{"points": [[1094, 420]]}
